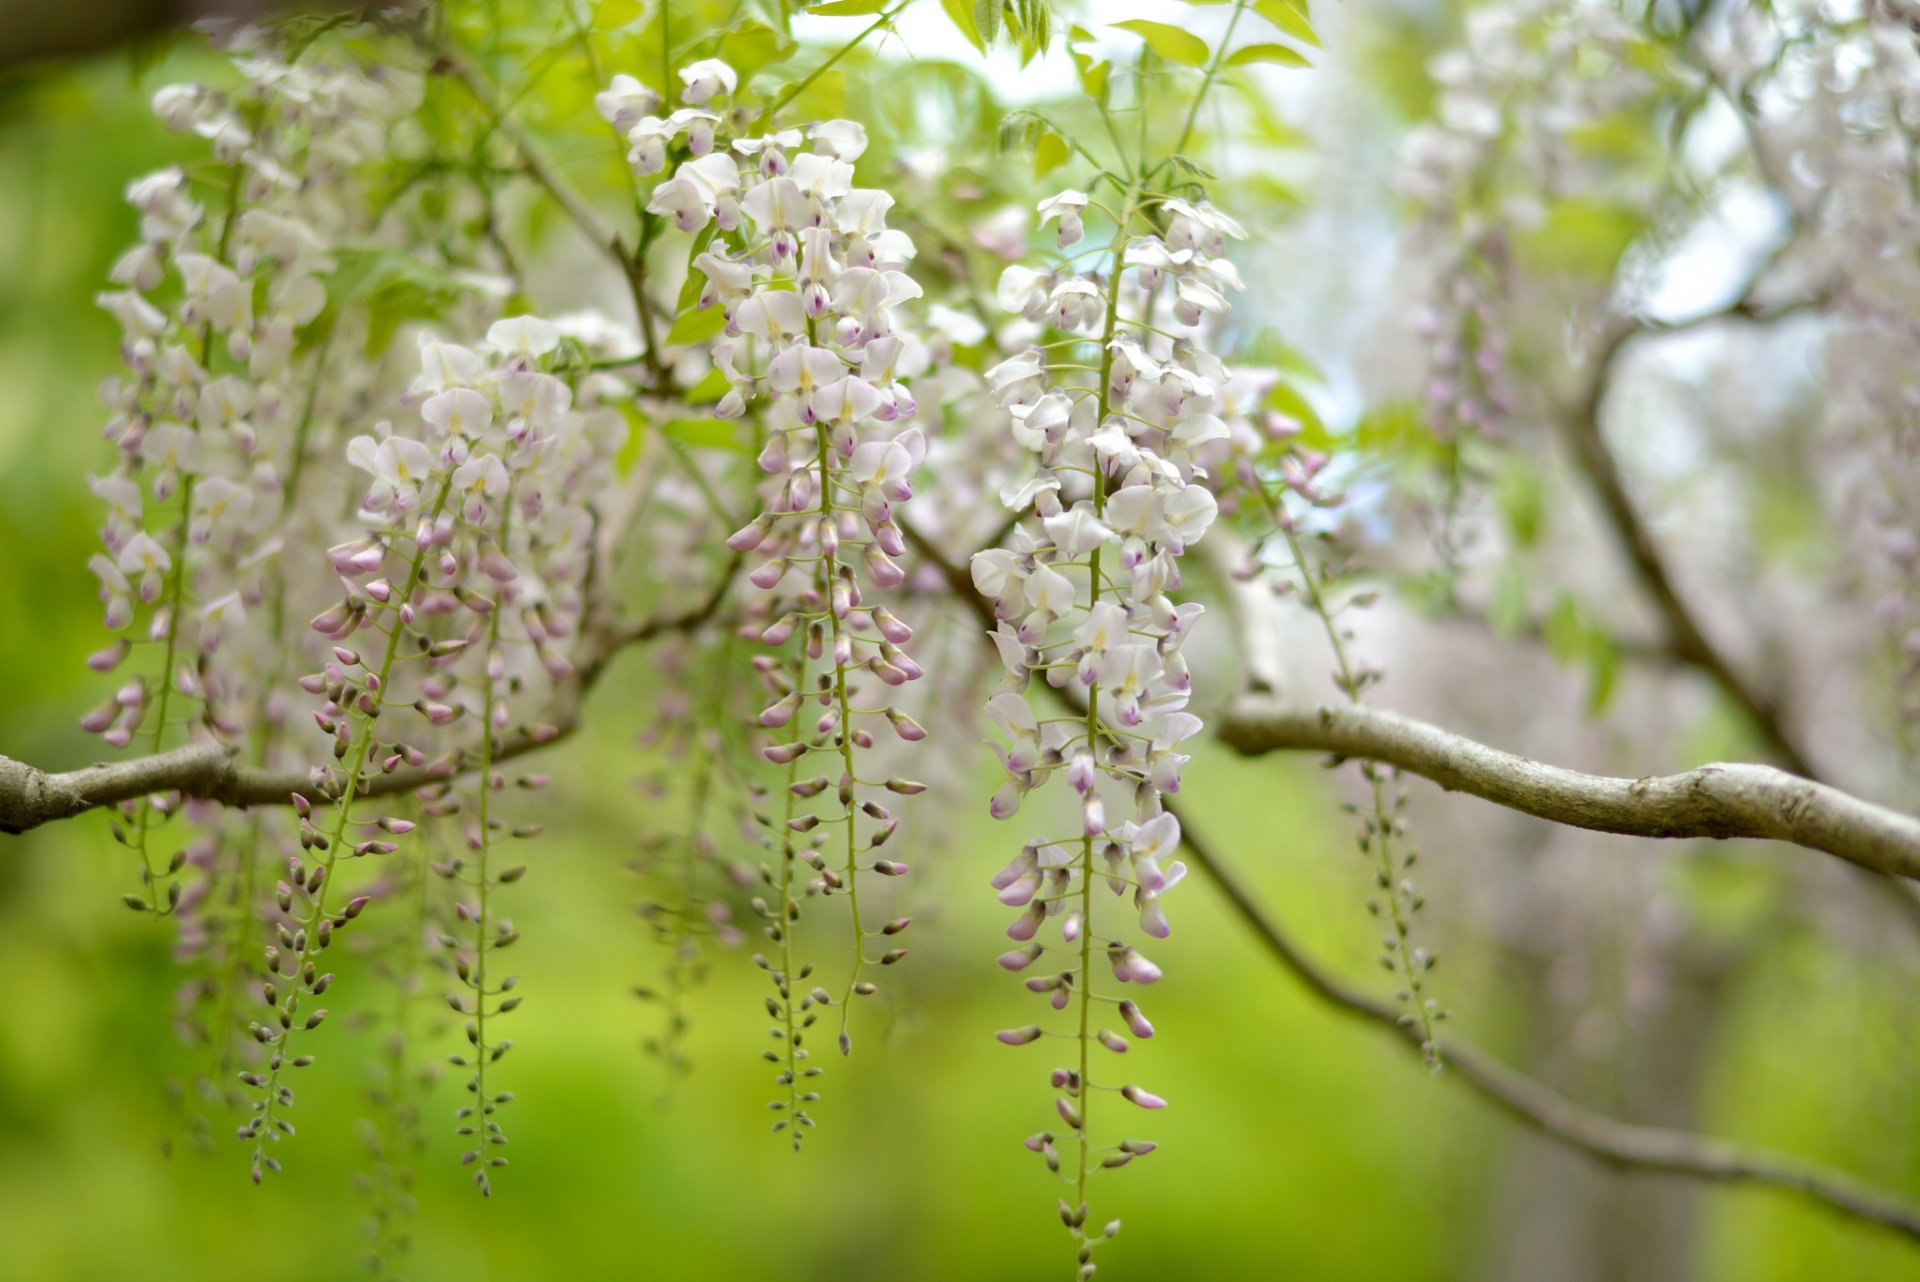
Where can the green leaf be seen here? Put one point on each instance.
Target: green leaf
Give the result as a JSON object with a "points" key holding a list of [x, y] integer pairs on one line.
{"points": [[847, 8], [1286, 399], [960, 13], [1269, 349], [1522, 505], [706, 434], [1290, 18], [1187, 165], [1049, 153], [697, 326], [696, 279], [1171, 43], [1507, 610], [1277, 55], [1565, 630], [753, 45], [1580, 238], [708, 390], [1603, 668], [986, 19], [392, 287]]}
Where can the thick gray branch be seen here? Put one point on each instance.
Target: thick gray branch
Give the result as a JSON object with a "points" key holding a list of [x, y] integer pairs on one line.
{"points": [[1643, 1148], [1720, 800], [208, 771], [1606, 1139]]}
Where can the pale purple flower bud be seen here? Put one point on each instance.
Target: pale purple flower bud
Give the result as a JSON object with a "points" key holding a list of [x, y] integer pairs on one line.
{"points": [[1019, 959], [1020, 891], [1023, 863], [890, 627], [1027, 925], [1080, 771], [1093, 816], [883, 570], [1143, 1097], [905, 726], [109, 657], [750, 535], [1019, 1036], [1129, 966], [1136, 1019]]}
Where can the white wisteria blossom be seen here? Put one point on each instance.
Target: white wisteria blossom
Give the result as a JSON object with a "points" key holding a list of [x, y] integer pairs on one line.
{"points": [[1086, 598]]}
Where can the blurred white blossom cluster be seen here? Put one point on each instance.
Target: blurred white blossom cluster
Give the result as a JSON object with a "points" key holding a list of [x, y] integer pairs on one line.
{"points": [[1525, 105]]}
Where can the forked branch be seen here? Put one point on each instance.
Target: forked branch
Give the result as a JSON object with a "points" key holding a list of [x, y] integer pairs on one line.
{"points": [[1621, 1144]]}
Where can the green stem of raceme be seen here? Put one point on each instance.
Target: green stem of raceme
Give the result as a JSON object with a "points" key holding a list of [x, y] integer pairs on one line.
{"points": [[356, 771], [829, 572], [486, 1128], [175, 594], [681, 946], [177, 576], [1206, 82], [241, 907], [1116, 267], [788, 913], [794, 91], [1376, 784]]}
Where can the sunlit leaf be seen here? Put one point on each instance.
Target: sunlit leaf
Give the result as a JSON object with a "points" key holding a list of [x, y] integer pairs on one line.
{"points": [[697, 326], [1171, 43], [960, 13], [1275, 55], [707, 434], [1049, 153], [1290, 18]]}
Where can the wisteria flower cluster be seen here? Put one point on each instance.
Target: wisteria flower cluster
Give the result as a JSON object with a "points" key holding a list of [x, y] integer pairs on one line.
{"points": [[1085, 597], [465, 589], [209, 420], [811, 281]]}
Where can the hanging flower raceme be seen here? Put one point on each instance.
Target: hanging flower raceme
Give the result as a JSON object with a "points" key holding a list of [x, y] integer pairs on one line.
{"points": [[207, 419], [464, 592], [811, 281], [1085, 595]]}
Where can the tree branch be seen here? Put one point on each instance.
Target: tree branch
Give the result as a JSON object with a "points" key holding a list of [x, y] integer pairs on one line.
{"points": [[1720, 800], [1689, 640], [1620, 1144], [209, 771], [1614, 1143]]}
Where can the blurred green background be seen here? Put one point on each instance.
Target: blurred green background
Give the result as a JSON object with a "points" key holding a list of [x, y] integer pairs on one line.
{"points": [[1298, 1145]]}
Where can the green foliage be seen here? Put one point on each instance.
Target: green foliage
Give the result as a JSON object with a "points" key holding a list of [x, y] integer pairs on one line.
{"points": [[1582, 237], [1269, 54], [1175, 44]]}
